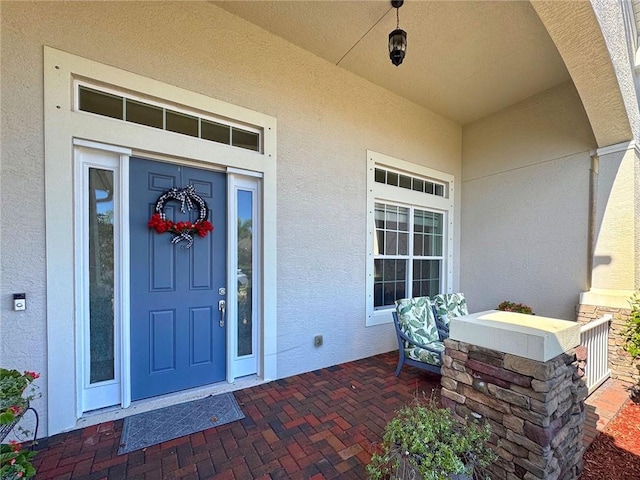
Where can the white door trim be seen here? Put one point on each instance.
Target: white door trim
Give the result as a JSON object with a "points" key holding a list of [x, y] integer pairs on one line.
{"points": [[117, 392], [63, 123], [238, 180], [89, 155]]}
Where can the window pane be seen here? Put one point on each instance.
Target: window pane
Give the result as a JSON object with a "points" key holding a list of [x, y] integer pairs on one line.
{"points": [[403, 244], [379, 215], [440, 190], [378, 299], [181, 123], [101, 276], [392, 178], [378, 241], [244, 139], [389, 270], [215, 132], [380, 176], [428, 187], [391, 243], [245, 271], [418, 185], [144, 114], [403, 219], [418, 247], [405, 182], [100, 103]]}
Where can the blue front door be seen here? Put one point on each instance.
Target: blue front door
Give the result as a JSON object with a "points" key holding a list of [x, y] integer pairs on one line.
{"points": [[178, 336]]}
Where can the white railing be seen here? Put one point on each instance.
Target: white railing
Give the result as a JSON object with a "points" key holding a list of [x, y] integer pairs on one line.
{"points": [[595, 336]]}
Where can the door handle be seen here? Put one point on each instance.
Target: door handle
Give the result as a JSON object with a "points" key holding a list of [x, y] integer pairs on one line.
{"points": [[222, 306]]}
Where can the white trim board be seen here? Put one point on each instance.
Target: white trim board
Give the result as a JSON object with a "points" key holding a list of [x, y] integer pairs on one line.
{"points": [[62, 125], [392, 194]]}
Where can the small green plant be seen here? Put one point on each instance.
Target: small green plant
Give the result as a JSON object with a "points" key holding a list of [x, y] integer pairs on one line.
{"points": [[15, 462], [16, 391], [631, 330], [515, 307], [426, 442]]}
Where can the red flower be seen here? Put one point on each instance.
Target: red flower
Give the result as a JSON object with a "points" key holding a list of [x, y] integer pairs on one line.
{"points": [[154, 220], [202, 228], [15, 409], [15, 446]]}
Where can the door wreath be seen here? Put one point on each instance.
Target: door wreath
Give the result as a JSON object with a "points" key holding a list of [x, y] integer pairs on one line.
{"points": [[182, 231]]}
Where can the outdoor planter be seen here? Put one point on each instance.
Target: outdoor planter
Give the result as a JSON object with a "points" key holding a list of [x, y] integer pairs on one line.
{"points": [[426, 442]]}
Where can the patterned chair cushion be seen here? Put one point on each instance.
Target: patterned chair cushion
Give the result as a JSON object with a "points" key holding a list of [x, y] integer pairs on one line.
{"points": [[426, 356], [450, 305], [416, 319]]}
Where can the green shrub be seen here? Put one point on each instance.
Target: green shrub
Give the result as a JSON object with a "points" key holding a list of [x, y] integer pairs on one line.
{"points": [[515, 307], [423, 441], [631, 330]]}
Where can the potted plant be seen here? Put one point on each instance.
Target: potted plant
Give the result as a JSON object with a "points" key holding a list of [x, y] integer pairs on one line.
{"points": [[15, 462], [16, 391], [13, 387], [515, 307], [426, 442]]}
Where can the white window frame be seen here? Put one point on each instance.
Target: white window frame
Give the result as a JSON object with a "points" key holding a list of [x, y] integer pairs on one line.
{"points": [[165, 106], [378, 192], [105, 157], [238, 180]]}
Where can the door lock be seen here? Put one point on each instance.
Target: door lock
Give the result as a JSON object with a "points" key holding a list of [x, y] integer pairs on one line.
{"points": [[222, 306]]}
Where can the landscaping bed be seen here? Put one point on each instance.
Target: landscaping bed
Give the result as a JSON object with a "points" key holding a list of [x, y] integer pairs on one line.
{"points": [[615, 453]]}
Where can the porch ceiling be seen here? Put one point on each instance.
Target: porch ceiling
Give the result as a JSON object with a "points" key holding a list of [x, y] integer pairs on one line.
{"points": [[465, 59]]}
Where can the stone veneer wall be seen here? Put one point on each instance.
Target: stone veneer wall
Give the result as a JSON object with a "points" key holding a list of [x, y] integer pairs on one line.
{"points": [[536, 409], [621, 365]]}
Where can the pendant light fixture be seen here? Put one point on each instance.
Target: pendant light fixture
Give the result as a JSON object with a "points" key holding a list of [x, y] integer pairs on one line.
{"points": [[397, 38]]}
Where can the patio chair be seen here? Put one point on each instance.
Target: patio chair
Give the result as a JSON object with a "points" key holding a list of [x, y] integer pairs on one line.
{"points": [[445, 307], [419, 343]]}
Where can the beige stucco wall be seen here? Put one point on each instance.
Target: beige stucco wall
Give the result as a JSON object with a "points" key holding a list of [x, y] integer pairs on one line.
{"points": [[614, 266], [327, 119], [611, 18], [597, 41], [525, 207]]}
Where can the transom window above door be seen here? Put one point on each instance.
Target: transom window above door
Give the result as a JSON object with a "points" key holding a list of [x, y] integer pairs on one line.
{"points": [[114, 104]]}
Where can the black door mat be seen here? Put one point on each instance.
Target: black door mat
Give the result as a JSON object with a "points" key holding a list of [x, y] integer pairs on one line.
{"points": [[157, 426]]}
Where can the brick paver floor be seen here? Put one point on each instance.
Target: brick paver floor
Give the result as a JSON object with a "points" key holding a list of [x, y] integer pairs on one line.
{"points": [[602, 406], [318, 425]]}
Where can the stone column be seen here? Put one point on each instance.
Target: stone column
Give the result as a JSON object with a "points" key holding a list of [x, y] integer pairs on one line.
{"points": [[534, 405]]}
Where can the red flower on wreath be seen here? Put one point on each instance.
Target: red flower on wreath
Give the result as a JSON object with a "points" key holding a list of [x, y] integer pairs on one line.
{"points": [[202, 228]]}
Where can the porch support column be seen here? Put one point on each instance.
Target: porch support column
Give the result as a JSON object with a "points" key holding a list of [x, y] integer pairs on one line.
{"points": [[615, 248], [524, 375]]}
